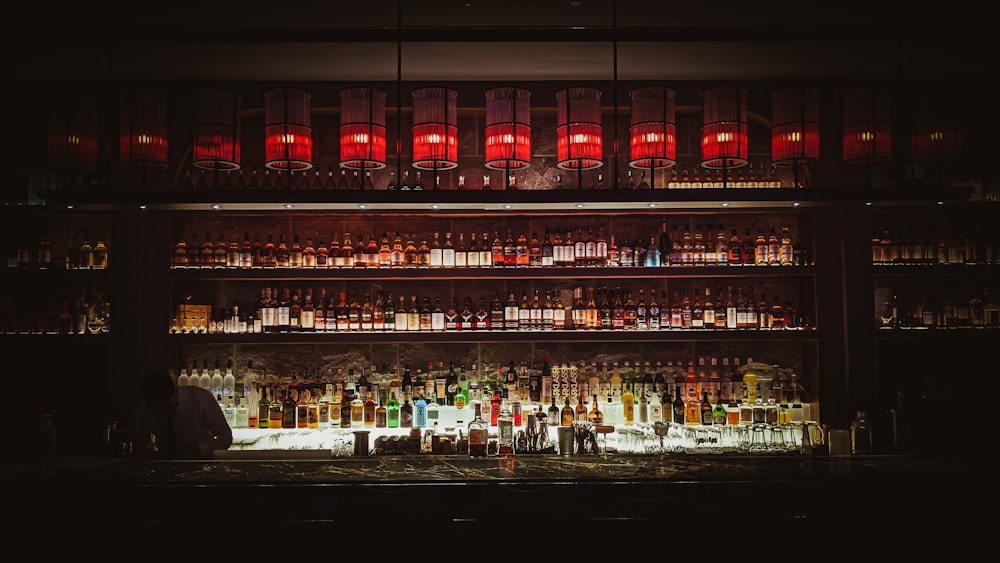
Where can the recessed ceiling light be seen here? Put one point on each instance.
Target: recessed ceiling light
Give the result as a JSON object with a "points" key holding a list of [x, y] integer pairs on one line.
{"points": [[508, 206], [940, 203], [868, 203], [796, 204], [650, 205], [289, 206], [725, 204], [216, 206], [579, 206], [435, 206], [363, 206], [69, 206], [142, 206]]}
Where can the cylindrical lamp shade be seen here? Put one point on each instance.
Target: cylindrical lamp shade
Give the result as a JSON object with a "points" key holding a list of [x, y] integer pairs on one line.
{"points": [[725, 140], [72, 142], [937, 138], [579, 135], [937, 143], [795, 126], [142, 137], [435, 128], [867, 126], [218, 130], [362, 128], [508, 128], [287, 129], [653, 132]]}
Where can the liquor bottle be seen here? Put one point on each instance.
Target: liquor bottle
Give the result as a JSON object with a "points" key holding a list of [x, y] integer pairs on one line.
{"points": [[554, 415], [512, 249], [420, 412], [595, 416], [628, 405], [472, 254], [478, 432], [485, 252], [567, 414], [533, 249], [433, 411], [505, 430], [392, 408], [295, 253], [461, 252], [786, 250], [677, 406], [706, 410], [760, 250], [495, 405], [438, 322], [412, 315], [436, 251], [370, 409], [773, 256], [282, 254], [406, 413]]}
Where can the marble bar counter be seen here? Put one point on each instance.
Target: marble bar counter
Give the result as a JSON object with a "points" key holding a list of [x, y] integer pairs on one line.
{"points": [[356, 492]]}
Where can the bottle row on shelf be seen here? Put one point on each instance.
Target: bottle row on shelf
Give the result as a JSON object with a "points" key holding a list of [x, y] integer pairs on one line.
{"points": [[689, 247], [709, 394], [78, 256], [591, 308], [88, 312], [683, 177], [892, 250], [924, 308]]}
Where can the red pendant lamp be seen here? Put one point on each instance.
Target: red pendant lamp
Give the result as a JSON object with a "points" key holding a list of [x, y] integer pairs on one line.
{"points": [[508, 128], [72, 141], [435, 128], [653, 131], [362, 128], [937, 138], [795, 126], [867, 126], [579, 134], [218, 130], [724, 130], [142, 136], [287, 129]]}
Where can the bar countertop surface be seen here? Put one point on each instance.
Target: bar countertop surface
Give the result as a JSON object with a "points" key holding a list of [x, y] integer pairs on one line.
{"points": [[919, 491]]}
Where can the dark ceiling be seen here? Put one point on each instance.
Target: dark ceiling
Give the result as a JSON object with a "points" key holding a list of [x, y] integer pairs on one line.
{"points": [[482, 40]]}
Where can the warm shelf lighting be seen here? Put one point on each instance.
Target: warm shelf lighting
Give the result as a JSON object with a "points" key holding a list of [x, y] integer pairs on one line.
{"points": [[867, 126], [142, 138], [508, 128], [579, 135], [653, 132], [287, 129], [795, 126], [435, 128], [72, 142], [724, 130], [218, 130], [362, 128]]}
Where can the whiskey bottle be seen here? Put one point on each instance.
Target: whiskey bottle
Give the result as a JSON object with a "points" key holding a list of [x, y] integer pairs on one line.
{"points": [[370, 411], [472, 254], [478, 432], [567, 414]]}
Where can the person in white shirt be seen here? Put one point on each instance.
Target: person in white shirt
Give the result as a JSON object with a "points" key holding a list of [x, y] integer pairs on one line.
{"points": [[177, 422]]}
